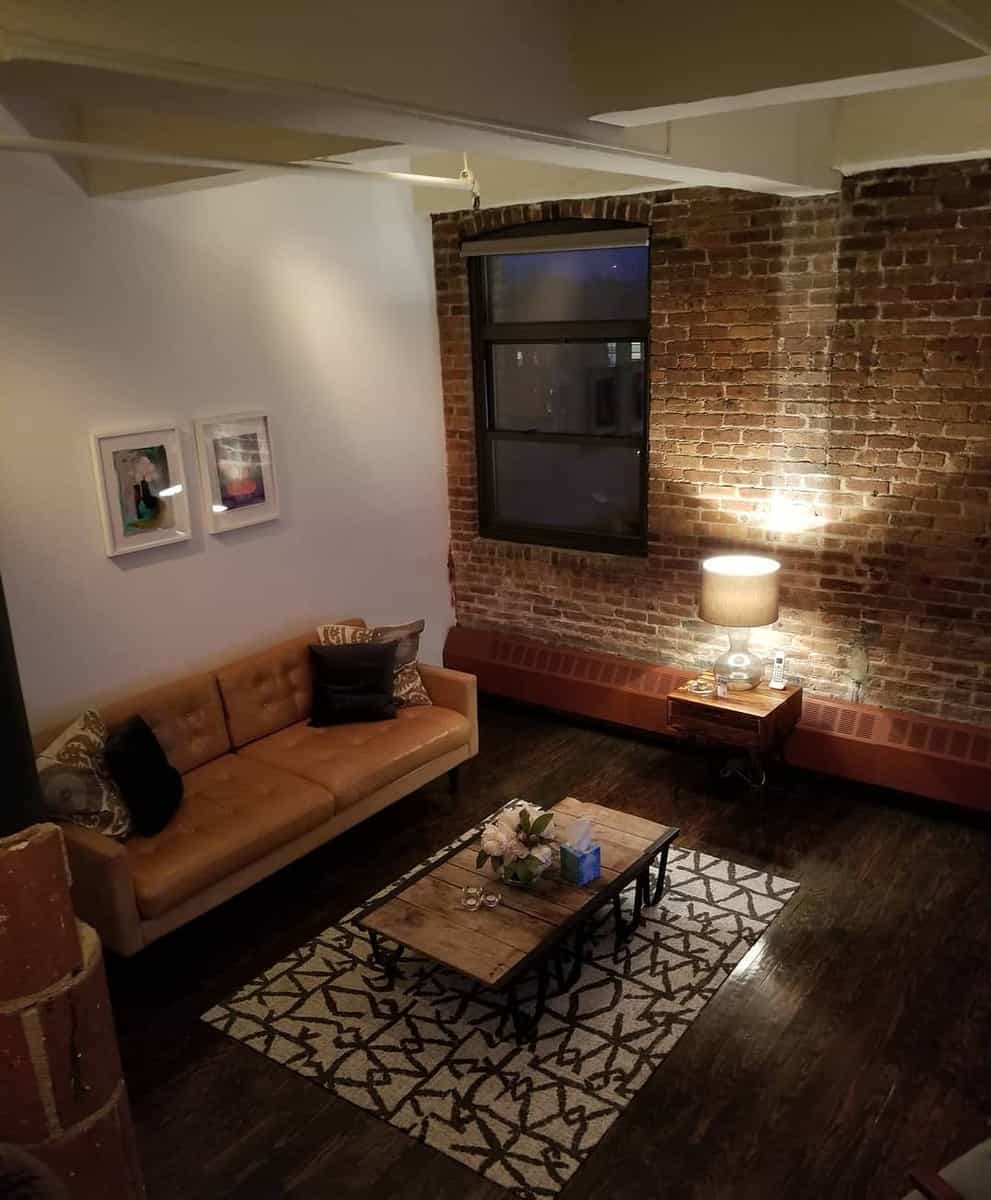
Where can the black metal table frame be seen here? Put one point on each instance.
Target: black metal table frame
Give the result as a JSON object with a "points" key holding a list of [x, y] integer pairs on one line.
{"points": [[551, 953], [751, 765]]}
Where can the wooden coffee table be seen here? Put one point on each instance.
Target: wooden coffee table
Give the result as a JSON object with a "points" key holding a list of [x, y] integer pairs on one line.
{"points": [[531, 928]]}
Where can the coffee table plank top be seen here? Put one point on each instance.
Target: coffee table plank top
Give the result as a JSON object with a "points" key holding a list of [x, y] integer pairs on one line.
{"points": [[604, 819], [442, 938], [459, 871], [437, 897], [567, 898], [491, 945]]}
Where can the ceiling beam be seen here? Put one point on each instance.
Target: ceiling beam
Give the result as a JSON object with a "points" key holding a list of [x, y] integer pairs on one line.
{"points": [[951, 18], [182, 133], [503, 181], [423, 75], [943, 123], [215, 93], [46, 118], [789, 146], [95, 150], [826, 89]]}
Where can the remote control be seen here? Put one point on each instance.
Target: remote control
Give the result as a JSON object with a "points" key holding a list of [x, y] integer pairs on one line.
{"points": [[777, 679]]}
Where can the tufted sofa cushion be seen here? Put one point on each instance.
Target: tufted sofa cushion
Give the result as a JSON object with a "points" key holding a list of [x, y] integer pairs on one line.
{"points": [[270, 690], [267, 691], [187, 717], [234, 811], [353, 760]]}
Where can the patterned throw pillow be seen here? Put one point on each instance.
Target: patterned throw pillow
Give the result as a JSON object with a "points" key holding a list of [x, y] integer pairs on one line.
{"points": [[76, 786], [408, 689]]}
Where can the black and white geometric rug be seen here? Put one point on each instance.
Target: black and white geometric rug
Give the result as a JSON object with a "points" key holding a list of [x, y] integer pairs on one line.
{"points": [[431, 1054]]}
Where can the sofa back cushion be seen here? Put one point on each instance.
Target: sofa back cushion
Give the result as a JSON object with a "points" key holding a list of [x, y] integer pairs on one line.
{"points": [[186, 717], [267, 691]]}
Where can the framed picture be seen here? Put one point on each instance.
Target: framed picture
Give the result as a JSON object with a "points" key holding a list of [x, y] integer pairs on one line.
{"points": [[237, 470], [141, 483]]}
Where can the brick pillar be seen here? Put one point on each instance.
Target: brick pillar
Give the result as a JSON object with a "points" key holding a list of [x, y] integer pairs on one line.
{"points": [[62, 1096]]}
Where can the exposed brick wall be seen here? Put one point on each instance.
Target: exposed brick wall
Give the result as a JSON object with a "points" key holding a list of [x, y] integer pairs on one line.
{"points": [[819, 390]]}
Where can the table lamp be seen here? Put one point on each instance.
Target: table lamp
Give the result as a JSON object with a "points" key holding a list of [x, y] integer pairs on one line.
{"points": [[739, 592]]}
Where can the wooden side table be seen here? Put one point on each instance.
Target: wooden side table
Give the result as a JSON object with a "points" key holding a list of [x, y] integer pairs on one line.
{"points": [[757, 721]]}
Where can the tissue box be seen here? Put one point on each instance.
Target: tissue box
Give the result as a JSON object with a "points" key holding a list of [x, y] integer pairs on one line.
{"points": [[581, 866]]}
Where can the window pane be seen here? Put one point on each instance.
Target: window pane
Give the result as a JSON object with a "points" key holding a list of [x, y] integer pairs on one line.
{"points": [[572, 387], [595, 489], [568, 285]]}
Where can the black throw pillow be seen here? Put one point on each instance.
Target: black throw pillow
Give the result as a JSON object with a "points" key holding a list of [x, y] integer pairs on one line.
{"points": [[352, 683], [149, 785]]}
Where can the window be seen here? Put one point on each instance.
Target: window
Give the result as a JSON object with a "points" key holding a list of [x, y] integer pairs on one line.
{"points": [[559, 329]]}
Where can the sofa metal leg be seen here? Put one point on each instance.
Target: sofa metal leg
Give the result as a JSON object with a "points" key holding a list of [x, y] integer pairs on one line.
{"points": [[454, 780]]}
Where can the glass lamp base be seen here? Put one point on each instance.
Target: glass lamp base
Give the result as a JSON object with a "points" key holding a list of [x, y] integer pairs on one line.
{"points": [[739, 667]]}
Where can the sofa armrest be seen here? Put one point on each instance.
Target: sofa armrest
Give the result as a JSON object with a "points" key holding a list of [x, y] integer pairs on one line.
{"points": [[102, 888], [456, 690]]}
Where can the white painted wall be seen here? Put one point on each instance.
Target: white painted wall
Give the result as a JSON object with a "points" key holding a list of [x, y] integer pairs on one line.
{"points": [[310, 299]]}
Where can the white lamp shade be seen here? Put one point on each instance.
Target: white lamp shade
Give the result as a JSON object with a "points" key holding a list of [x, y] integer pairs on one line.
{"points": [[739, 591]]}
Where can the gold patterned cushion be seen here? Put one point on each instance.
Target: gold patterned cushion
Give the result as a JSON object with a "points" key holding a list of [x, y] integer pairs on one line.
{"points": [[76, 786], [407, 686]]}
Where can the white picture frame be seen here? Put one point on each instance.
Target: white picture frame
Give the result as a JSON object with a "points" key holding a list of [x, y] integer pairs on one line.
{"points": [[237, 470], [141, 486]]}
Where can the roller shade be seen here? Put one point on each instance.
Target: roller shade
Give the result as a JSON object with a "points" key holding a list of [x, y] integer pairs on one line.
{"points": [[604, 239]]}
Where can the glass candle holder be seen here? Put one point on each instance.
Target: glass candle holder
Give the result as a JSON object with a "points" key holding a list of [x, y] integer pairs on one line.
{"points": [[471, 898]]}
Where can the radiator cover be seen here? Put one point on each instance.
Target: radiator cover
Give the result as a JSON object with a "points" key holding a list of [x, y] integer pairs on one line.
{"points": [[942, 760]]}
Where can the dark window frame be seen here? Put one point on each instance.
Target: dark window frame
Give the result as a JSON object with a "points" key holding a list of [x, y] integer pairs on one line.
{"points": [[485, 334]]}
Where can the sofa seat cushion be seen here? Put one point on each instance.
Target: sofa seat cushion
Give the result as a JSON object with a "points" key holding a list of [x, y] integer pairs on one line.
{"points": [[354, 760], [233, 812]]}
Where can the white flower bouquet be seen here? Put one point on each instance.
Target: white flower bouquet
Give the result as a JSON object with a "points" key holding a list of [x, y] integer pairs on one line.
{"points": [[519, 843]]}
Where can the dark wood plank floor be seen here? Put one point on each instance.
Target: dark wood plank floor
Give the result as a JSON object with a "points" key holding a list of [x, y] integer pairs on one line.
{"points": [[852, 1047]]}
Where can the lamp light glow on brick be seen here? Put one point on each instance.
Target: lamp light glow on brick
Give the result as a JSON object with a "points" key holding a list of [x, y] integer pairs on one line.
{"points": [[739, 592]]}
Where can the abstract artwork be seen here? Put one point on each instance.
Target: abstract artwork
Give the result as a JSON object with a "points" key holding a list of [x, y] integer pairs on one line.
{"points": [[142, 477], [142, 488], [237, 470]]}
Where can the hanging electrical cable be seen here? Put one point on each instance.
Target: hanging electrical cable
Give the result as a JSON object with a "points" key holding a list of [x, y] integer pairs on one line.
{"points": [[468, 175]]}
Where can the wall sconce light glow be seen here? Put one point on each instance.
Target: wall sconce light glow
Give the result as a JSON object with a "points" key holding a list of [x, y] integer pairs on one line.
{"points": [[174, 490], [791, 516], [219, 507]]}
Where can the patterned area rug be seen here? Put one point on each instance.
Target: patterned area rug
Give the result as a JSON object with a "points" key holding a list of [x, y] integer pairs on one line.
{"points": [[433, 1053]]}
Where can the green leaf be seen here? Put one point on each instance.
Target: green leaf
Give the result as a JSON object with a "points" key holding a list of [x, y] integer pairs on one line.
{"points": [[524, 820], [481, 860], [541, 823]]}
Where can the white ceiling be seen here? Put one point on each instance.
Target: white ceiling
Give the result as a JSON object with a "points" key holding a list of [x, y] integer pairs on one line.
{"points": [[548, 97]]}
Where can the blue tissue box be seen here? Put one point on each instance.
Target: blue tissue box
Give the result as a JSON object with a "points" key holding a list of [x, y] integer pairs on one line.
{"points": [[581, 866]]}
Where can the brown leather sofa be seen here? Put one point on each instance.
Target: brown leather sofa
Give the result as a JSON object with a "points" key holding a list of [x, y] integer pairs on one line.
{"points": [[261, 788]]}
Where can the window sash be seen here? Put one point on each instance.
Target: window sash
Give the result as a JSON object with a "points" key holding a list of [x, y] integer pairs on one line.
{"points": [[487, 401], [485, 334], [634, 441], [564, 331], [547, 243]]}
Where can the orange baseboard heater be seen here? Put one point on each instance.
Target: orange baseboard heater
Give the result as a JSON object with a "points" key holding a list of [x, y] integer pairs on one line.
{"points": [[943, 760]]}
